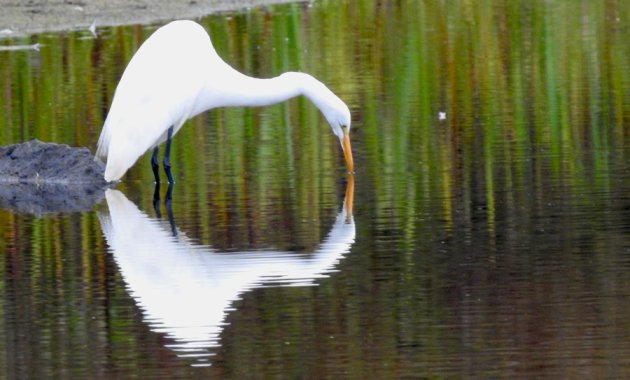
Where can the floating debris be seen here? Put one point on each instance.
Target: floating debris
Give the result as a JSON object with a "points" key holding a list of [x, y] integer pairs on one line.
{"points": [[442, 115], [92, 28], [20, 47]]}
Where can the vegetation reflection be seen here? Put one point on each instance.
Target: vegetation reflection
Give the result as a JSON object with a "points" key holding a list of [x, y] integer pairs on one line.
{"points": [[536, 98]]}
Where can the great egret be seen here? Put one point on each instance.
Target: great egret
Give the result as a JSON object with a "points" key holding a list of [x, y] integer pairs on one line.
{"points": [[175, 75]]}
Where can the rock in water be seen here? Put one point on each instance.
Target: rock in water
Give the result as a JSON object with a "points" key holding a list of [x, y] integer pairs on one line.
{"points": [[38, 177], [36, 161]]}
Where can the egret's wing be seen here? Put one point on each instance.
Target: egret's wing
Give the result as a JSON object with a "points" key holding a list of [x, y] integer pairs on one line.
{"points": [[158, 89]]}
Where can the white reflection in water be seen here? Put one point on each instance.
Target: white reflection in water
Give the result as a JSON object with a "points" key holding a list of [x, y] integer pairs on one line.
{"points": [[185, 290]]}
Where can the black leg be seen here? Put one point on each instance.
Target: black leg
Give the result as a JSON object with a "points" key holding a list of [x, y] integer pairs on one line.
{"points": [[156, 200], [168, 204], [167, 156], [155, 165]]}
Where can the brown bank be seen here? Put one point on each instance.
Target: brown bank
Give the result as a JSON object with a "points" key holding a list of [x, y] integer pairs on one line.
{"points": [[19, 18]]}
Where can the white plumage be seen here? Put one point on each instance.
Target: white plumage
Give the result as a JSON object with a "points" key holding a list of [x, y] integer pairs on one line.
{"points": [[175, 75]]}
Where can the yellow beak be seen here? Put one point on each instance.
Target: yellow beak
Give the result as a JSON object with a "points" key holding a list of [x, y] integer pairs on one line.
{"points": [[347, 151], [349, 200]]}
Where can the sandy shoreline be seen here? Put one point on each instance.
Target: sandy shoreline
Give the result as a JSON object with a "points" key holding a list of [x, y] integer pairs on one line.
{"points": [[18, 17]]}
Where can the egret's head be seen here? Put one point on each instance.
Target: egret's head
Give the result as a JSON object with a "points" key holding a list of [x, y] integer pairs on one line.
{"points": [[334, 109], [338, 116]]}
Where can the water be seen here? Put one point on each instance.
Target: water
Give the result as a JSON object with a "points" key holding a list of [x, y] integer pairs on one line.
{"points": [[492, 242]]}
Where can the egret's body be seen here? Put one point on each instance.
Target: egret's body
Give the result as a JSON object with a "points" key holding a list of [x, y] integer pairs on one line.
{"points": [[175, 75]]}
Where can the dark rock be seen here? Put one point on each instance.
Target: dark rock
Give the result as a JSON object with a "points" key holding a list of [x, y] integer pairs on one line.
{"points": [[36, 161], [37, 177]]}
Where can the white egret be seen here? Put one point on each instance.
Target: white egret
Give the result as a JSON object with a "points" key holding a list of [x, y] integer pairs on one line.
{"points": [[175, 75]]}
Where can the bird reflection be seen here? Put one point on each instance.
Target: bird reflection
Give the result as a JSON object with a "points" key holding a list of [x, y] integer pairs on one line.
{"points": [[168, 202], [185, 290]]}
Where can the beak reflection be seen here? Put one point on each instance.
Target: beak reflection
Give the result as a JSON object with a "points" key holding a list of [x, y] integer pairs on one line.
{"points": [[186, 290]]}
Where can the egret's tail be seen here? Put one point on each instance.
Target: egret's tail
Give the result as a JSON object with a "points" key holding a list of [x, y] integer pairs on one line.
{"points": [[119, 160], [113, 173], [103, 144], [124, 140], [118, 157], [102, 153]]}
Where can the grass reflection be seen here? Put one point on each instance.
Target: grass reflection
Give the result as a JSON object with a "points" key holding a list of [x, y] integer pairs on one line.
{"points": [[536, 96]]}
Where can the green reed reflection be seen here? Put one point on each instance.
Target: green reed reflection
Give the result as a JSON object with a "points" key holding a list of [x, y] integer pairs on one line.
{"points": [[512, 77], [536, 96]]}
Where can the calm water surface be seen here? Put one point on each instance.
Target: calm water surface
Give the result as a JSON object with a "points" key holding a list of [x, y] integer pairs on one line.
{"points": [[486, 232]]}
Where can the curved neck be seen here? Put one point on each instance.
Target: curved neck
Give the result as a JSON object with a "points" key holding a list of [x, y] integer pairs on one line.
{"points": [[233, 89]]}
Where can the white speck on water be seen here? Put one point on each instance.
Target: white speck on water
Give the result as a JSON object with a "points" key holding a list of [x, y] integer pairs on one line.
{"points": [[92, 28]]}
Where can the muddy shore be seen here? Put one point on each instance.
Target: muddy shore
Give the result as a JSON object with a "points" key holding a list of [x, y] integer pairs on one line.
{"points": [[19, 18]]}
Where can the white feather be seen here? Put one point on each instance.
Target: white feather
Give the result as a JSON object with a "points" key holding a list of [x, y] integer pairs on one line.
{"points": [[175, 75]]}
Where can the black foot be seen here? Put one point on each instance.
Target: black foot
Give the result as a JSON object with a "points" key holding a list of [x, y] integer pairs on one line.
{"points": [[155, 165], [168, 204], [156, 200], [167, 170]]}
